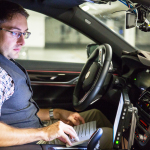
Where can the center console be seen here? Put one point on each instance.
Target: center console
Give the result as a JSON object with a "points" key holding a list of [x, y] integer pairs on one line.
{"points": [[142, 133]]}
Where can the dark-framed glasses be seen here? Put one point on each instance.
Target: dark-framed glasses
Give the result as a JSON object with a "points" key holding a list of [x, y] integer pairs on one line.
{"points": [[17, 34]]}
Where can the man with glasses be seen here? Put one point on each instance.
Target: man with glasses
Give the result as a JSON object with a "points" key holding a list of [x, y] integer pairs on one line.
{"points": [[18, 34], [20, 117]]}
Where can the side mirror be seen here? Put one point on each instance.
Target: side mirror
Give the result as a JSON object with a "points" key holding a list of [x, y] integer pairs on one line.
{"points": [[90, 48]]}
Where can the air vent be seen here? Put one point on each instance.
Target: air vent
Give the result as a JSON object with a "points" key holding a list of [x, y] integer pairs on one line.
{"points": [[144, 102], [145, 97]]}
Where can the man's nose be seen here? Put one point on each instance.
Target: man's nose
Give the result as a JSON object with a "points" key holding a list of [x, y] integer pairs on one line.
{"points": [[21, 40]]}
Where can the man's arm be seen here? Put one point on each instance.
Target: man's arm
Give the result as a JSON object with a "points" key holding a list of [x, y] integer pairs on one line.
{"points": [[10, 136], [68, 117], [43, 114]]}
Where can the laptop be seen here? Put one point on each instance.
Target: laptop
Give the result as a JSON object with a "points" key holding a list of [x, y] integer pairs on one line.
{"points": [[121, 119]]}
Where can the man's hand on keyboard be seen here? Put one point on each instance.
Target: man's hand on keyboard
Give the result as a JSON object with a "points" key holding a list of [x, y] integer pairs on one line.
{"points": [[68, 117], [59, 130], [84, 132]]}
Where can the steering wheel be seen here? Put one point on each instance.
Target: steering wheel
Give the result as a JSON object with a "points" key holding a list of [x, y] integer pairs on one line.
{"points": [[92, 77]]}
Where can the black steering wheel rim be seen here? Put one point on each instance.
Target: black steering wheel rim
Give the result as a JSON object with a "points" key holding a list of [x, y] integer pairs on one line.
{"points": [[80, 104]]}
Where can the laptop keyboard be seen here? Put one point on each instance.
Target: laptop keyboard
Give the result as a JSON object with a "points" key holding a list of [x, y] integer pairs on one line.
{"points": [[84, 132]]}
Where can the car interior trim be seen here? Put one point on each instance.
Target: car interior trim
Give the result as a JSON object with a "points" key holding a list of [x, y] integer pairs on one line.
{"points": [[52, 71], [69, 83]]}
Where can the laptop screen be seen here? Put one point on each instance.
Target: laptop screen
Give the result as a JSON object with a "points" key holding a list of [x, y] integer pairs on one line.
{"points": [[116, 133]]}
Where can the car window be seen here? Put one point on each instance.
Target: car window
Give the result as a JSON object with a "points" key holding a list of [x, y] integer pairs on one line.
{"points": [[52, 40], [113, 16]]}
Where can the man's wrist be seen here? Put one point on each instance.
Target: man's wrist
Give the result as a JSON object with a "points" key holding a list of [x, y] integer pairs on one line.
{"points": [[56, 113], [51, 114]]}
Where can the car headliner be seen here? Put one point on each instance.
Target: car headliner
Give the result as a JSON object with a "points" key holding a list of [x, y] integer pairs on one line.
{"points": [[57, 4]]}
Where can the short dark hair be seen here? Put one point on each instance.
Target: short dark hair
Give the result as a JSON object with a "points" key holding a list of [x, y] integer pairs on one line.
{"points": [[9, 9]]}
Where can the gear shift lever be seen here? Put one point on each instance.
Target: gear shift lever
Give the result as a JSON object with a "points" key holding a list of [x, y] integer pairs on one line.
{"points": [[94, 139]]}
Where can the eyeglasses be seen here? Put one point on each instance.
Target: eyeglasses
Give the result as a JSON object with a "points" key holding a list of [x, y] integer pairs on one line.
{"points": [[16, 34]]}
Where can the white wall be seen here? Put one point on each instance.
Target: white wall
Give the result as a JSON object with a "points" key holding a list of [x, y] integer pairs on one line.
{"points": [[36, 25], [129, 36], [54, 35]]}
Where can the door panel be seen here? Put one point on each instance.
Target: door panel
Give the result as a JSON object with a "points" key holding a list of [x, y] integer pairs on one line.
{"points": [[52, 82]]}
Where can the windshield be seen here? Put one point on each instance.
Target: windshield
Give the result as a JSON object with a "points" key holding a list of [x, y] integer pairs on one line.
{"points": [[113, 16]]}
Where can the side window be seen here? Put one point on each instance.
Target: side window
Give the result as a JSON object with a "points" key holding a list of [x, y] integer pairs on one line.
{"points": [[52, 40]]}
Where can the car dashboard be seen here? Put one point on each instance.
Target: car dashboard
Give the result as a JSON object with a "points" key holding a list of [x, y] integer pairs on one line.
{"points": [[135, 76]]}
